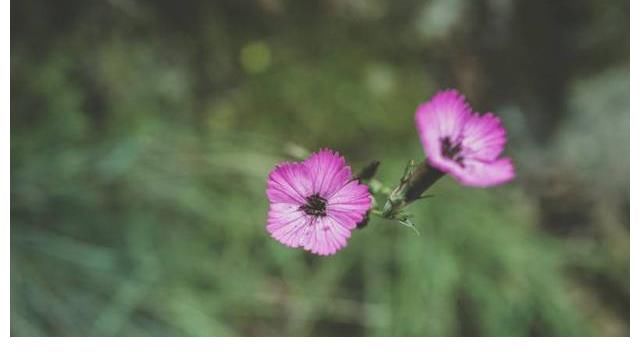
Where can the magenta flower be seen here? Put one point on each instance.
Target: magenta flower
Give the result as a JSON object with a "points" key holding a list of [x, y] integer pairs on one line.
{"points": [[464, 144], [315, 204]]}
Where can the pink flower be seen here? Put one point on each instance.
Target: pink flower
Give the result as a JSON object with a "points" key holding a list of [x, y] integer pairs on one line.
{"points": [[315, 204], [464, 144]]}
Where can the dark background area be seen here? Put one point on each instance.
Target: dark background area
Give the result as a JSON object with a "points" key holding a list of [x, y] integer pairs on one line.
{"points": [[142, 133]]}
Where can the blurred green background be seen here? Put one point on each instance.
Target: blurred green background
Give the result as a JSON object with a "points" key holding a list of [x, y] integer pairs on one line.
{"points": [[142, 133]]}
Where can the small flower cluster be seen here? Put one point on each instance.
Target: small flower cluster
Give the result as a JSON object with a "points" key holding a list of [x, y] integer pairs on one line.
{"points": [[317, 203]]}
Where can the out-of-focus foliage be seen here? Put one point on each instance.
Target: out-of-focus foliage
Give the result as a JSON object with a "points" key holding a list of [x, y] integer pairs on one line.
{"points": [[142, 133]]}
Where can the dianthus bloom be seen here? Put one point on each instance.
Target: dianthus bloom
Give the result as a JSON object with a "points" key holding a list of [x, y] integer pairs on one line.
{"points": [[464, 144], [315, 204]]}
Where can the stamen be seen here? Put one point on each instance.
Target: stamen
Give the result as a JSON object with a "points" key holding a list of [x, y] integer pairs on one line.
{"points": [[452, 151], [315, 206]]}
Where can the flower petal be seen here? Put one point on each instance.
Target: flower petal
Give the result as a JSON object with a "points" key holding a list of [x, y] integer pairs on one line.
{"points": [[479, 173], [443, 116], [484, 137], [328, 172], [326, 237], [284, 224], [350, 203], [289, 182]]}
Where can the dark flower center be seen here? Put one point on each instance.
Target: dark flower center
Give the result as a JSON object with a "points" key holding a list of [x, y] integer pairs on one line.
{"points": [[315, 206], [452, 151]]}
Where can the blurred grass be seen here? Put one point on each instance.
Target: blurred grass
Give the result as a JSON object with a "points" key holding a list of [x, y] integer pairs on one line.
{"points": [[139, 155]]}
